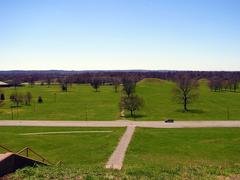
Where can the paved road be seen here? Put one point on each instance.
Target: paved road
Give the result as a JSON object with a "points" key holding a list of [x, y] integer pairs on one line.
{"points": [[123, 123]]}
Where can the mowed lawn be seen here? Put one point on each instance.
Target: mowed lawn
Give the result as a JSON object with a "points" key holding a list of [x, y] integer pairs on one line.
{"points": [[80, 103], [74, 150], [160, 103], [83, 103], [199, 153], [171, 150]]}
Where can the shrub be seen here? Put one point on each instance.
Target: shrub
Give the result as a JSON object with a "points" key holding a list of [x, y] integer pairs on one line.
{"points": [[2, 97], [40, 100]]}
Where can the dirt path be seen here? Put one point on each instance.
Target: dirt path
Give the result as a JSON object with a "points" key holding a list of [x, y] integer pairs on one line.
{"points": [[117, 157]]}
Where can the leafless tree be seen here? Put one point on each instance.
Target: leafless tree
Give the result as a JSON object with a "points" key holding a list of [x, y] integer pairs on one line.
{"points": [[116, 83], [131, 103], [129, 86], [64, 87], [215, 84], [28, 98], [49, 81], [96, 83], [16, 98], [234, 84], [185, 90]]}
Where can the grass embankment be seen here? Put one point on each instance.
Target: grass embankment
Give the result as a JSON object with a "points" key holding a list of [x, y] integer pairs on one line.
{"points": [[171, 147], [205, 153], [74, 150], [83, 103]]}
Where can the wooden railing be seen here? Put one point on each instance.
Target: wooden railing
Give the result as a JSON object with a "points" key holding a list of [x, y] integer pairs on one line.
{"points": [[26, 152], [6, 149]]}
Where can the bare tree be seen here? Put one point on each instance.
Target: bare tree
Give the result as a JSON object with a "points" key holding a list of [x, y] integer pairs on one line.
{"points": [[49, 81], [16, 98], [28, 98], [96, 83], [15, 82], [64, 84], [116, 83], [64, 87], [215, 84], [185, 91], [129, 86], [131, 103], [31, 81], [234, 84], [225, 84]]}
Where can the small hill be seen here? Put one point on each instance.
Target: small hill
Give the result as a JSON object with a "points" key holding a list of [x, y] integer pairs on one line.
{"points": [[151, 81], [203, 81]]}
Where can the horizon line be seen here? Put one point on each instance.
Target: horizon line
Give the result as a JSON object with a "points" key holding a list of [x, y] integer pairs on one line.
{"points": [[67, 70]]}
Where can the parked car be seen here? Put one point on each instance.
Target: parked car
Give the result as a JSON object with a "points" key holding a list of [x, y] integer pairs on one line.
{"points": [[169, 121]]}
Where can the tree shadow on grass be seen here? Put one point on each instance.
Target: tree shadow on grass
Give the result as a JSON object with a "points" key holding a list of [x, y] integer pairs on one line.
{"points": [[193, 111]]}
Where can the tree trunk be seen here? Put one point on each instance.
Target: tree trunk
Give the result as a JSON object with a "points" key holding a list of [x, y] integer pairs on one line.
{"points": [[131, 113], [185, 104], [185, 107]]}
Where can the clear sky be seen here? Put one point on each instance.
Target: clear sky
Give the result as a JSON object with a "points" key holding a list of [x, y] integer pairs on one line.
{"points": [[120, 34]]}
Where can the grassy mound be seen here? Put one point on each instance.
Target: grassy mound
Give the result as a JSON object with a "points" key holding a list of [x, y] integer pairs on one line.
{"points": [[77, 149], [151, 81]]}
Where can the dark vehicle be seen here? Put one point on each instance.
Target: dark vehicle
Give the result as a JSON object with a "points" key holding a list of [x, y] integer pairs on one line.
{"points": [[169, 121]]}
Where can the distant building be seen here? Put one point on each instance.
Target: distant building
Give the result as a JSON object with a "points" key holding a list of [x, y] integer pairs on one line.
{"points": [[3, 84]]}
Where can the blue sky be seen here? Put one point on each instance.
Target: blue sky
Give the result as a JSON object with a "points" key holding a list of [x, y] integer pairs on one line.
{"points": [[120, 34]]}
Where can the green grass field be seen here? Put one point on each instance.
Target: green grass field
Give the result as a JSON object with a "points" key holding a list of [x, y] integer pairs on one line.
{"points": [[175, 152], [172, 147], [80, 103], [74, 150], [159, 103], [83, 103], [204, 153]]}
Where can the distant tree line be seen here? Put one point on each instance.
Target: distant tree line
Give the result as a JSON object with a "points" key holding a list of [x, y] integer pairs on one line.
{"points": [[218, 84], [185, 91], [15, 78]]}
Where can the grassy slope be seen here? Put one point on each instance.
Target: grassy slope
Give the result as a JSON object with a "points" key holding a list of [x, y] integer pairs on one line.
{"points": [[159, 103], [170, 149], [104, 105], [75, 150], [163, 154]]}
